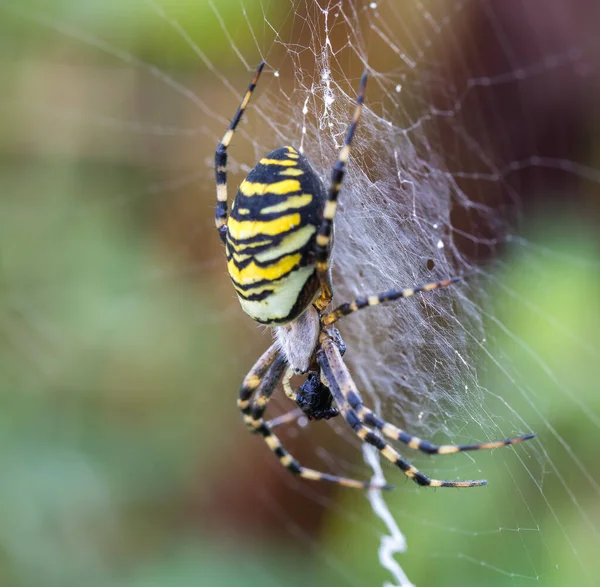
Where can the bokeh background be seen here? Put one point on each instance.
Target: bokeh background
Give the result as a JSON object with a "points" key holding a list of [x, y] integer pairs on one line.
{"points": [[122, 456]]}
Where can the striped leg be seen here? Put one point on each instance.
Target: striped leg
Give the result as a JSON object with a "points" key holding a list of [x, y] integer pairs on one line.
{"points": [[221, 158], [287, 388], [262, 381], [371, 419], [253, 379], [386, 296], [323, 246], [255, 410], [345, 393]]}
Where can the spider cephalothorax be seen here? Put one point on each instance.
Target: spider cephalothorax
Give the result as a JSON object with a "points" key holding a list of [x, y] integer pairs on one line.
{"points": [[278, 238]]}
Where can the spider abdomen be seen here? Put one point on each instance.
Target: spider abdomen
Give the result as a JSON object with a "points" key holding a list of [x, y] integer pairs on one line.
{"points": [[270, 237]]}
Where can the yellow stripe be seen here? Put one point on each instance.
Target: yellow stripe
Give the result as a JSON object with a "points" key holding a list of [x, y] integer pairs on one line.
{"points": [[392, 432], [289, 203], [279, 188], [389, 453], [289, 244], [251, 381], [310, 474], [246, 100], [244, 246], [227, 138], [272, 442], [240, 258], [344, 153], [283, 162], [244, 229], [286, 460], [329, 210], [253, 272], [293, 172], [414, 442], [448, 450], [322, 240]]}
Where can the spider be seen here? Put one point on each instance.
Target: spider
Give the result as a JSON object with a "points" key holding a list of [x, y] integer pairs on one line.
{"points": [[278, 241]]}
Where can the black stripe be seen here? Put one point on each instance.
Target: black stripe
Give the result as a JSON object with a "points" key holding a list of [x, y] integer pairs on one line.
{"points": [[373, 420], [375, 440], [294, 467], [256, 297], [422, 479], [267, 386], [401, 464], [303, 250], [256, 204], [244, 395], [354, 421], [354, 399], [221, 176], [257, 215], [264, 430], [424, 446]]}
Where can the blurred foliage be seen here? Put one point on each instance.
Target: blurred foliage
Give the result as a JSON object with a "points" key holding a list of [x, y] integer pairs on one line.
{"points": [[136, 27]]}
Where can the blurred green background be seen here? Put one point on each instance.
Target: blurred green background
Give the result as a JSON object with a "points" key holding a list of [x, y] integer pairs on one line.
{"points": [[123, 459]]}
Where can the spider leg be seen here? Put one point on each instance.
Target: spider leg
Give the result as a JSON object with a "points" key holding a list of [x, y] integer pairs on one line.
{"points": [[254, 378], [263, 393], [221, 157], [370, 418], [261, 382], [287, 388], [344, 392], [380, 298], [323, 242]]}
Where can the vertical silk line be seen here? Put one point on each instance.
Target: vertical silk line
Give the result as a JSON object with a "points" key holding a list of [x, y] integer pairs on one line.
{"points": [[395, 542]]}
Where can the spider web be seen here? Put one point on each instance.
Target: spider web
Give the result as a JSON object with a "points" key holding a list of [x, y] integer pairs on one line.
{"points": [[465, 162]]}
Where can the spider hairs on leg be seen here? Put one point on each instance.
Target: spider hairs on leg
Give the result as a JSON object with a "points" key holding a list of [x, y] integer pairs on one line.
{"points": [[278, 242]]}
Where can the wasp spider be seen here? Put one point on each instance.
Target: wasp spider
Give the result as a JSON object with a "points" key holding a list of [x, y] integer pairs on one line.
{"points": [[278, 238]]}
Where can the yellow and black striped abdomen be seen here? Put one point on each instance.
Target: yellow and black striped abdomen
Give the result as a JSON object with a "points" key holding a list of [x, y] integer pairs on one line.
{"points": [[270, 237]]}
